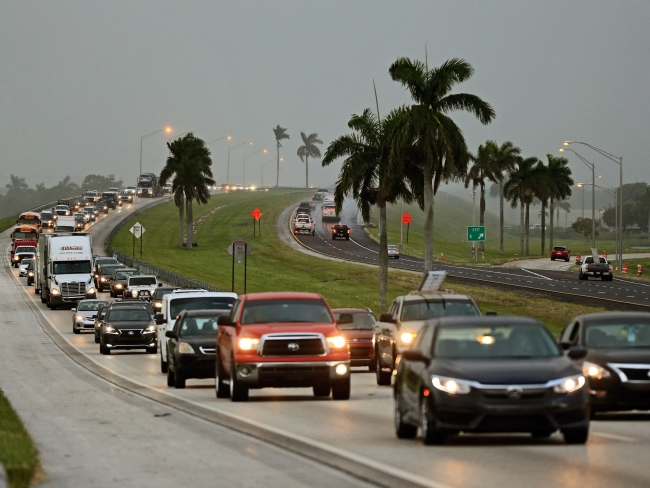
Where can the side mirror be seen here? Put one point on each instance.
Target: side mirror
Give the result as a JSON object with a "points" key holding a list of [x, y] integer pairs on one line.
{"points": [[159, 285], [224, 320], [73, 309], [159, 319], [491, 312], [415, 355], [170, 334], [566, 345], [387, 317], [577, 352], [345, 318]]}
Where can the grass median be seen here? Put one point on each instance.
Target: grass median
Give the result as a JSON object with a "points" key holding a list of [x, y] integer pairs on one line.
{"points": [[7, 222], [17, 451], [273, 266]]}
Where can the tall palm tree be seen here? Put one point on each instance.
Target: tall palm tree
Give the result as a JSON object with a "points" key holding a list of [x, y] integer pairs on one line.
{"points": [[542, 191], [308, 149], [372, 177], [518, 190], [478, 173], [438, 146], [280, 133], [566, 206], [560, 183], [189, 163]]}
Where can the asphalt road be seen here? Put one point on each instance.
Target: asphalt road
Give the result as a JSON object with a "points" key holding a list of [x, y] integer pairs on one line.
{"points": [[109, 419], [546, 263], [619, 293]]}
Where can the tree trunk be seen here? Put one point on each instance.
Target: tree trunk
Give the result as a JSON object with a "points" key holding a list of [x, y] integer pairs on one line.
{"points": [[551, 209], [543, 227], [383, 253], [527, 227], [190, 225], [522, 227], [481, 245], [181, 217], [277, 173], [307, 171], [501, 213], [428, 219]]}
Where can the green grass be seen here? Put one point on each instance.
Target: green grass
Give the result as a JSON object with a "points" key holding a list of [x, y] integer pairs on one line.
{"points": [[7, 222], [17, 451], [273, 266], [452, 215]]}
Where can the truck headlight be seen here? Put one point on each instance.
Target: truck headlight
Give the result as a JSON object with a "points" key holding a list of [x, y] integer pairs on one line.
{"points": [[247, 344], [91, 290], [336, 342], [103, 280], [55, 291], [407, 337], [569, 384], [185, 348], [118, 286], [134, 293]]}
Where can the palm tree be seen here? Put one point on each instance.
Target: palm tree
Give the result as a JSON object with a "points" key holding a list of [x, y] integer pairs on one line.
{"points": [[189, 163], [518, 190], [308, 149], [560, 182], [478, 173], [369, 173], [542, 191], [439, 146], [280, 133]]}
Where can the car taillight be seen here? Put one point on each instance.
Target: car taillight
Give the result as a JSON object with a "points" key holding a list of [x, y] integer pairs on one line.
{"points": [[348, 231], [587, 267]]}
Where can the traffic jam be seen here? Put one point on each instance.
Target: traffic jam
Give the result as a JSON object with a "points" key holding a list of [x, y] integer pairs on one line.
{"points": [[453, 367]]}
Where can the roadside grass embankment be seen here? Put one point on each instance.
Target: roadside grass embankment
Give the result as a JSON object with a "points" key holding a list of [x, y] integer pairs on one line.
{"points": [[273, 266], [7, 222], [17, 451]]}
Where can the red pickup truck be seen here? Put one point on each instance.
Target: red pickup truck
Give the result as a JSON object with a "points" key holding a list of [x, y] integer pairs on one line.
{"points": [[280, 340]]}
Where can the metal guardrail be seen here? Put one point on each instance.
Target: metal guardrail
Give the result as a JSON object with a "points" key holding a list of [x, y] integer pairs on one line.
{"points": [[146, 268]]}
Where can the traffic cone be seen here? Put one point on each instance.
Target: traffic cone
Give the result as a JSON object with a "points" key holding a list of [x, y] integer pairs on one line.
{"points": [[442, 256], [578, 258], [625, 268], [616, 269], [639, 270], [605, 254]]}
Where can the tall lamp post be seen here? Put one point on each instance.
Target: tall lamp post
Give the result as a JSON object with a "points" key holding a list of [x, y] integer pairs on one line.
{"points": [[247, 156], [618, 160], [593, 195], [230, 149], [142, 138], [262, 169]]}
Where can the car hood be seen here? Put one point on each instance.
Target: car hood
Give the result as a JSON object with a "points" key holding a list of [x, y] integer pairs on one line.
{"points": [[411, 325], [258, 330], [358, 333], [200, 340], [506, 371], [603, 356], [128, 324], [89, 314]]}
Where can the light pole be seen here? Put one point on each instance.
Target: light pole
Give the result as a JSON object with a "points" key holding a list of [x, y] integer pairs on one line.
{"points": [[230, 149], [593, 195], [142, 138], [618, 160], [262, 169], [248, 155]]}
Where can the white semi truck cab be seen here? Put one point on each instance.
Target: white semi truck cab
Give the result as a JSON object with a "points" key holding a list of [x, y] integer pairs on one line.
{"points": [[64, 268]]}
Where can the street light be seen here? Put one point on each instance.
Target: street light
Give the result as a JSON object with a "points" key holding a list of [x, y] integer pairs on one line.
{"points": [[248, 155], [142, 138], [612, 192], [230, 149], [262, 169], [618, 160], [220, 139], [593, 195]]}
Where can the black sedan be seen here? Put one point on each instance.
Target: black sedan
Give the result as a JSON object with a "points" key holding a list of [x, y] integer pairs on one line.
{"points": [[191, 346], [618, 360], [128, 328], [490, 374]]}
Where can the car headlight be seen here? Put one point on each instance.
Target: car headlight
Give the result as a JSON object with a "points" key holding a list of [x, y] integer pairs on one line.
{"points": [[157, 305], [151, 328], [31, 273], [79, 317], [103, 279], [407, 337], [450, 385], [109, 329], [247, 344], [134, 293], [16, 257], [185, 348], [91, 290], [570, 384], [118, 285], [594, 371], [55, 291], [336, 342]]}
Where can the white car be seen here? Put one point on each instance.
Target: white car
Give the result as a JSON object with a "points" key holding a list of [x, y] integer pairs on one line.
{"points": [[62, 210], [91, 211], [22, 267], [83, 214], [141, 286], [393, 251]]}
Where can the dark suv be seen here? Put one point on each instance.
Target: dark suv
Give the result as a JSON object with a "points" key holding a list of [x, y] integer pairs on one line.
{"points": [[560, 252], [128, 328], [118, 280]]}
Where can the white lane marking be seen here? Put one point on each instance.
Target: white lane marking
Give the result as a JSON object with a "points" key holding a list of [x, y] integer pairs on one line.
{"points": [[537, 274], [614, 437], [371, 463]]}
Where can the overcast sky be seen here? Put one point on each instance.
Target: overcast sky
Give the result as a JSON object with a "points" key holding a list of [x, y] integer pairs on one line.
{"points": [[81, 82]]}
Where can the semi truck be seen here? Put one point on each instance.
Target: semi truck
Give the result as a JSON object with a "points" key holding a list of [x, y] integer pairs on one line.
{"points": [[148, 185], [63, 268]]}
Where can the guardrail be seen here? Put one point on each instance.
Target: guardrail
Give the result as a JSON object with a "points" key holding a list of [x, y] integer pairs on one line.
{"points": [[146, 268]]}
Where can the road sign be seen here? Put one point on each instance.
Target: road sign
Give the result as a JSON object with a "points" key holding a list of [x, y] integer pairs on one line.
{"points": [[256, 213], [137, 230], [432, 280], [406, 218], [239, 249], [476, 233]]}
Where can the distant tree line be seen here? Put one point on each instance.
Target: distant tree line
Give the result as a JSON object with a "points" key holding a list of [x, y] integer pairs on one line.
{"points": [[20, 196]]}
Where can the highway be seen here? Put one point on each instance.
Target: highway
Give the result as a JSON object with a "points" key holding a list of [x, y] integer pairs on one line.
{"points": [[112, 419], [619, 293]]}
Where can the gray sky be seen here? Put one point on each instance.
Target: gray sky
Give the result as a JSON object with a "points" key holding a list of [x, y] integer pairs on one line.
{"points": [[81, 81]]}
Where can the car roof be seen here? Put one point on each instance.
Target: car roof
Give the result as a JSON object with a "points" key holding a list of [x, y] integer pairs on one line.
{"points": [[352, 310], [143, 276], [485, 321], [93, 300], [203, 313], [193, 294], [605, 316], [131, 304], [278, 295], [432, 295]]}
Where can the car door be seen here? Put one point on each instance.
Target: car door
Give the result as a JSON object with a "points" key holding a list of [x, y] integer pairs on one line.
{"points": [[385, 333], [172, 342], [226, 336], [414, 374]]}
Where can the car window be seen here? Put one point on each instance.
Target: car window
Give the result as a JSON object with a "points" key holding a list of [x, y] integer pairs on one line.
{"points": [[204, 326], [624, 333], [361, 321], [121, 275], [142, 281], [124, 315], [90, 306], [425, 336], [177, 305], [567, 333], [285, 310], [428, 309]]}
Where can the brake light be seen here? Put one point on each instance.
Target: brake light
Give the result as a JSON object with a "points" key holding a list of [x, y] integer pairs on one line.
{"points": [[348, 231], [587, 267]]}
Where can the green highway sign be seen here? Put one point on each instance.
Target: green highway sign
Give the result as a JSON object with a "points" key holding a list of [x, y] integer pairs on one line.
{"points": [[476, 233]]}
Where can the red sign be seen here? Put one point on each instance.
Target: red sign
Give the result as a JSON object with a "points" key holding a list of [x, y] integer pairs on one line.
{"points": [[406, 218], [256, 213]]}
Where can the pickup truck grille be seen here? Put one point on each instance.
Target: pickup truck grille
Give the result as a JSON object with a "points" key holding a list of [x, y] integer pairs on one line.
{"points": [[73, 289], [293, 345]]}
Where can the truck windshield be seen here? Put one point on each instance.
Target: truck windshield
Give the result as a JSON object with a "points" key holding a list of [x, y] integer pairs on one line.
{"points": [[429, 309], [285, 310], [29, 220], [25, 235], [177, 305], [26, 249], [71, 267]]}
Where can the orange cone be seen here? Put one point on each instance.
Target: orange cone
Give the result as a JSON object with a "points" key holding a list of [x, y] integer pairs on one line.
{"points": [[625, 268], [605, 254], [639, 270], [442, 256]]}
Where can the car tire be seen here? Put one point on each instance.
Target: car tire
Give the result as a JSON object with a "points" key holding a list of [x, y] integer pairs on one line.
{"points": [[430, 435], [341, 389], [152, 350], [322, 390], [373, 366], [222, 388], [179, 381], [568, 259], [396, 257], [576, 436], [403, 430], [170, 378], [74, 329], [164, 365], [106, 351], [96, 339], [238, 392], [541, 434], [552, 259], [383, 377]]}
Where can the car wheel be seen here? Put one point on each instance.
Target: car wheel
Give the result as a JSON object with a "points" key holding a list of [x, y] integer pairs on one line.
{"points": [[105, 350], [341, 389], [238, 392], [170, 378], [402, 430], [179, 380], [552, 259], [604, 278], [152, 350], [383, 377], [541, 434], [567, 259], [576, 436], [372, 366], [222, 383], [430, 435], [74, 329], [164, 366], [322, 390], [96, 339]]}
